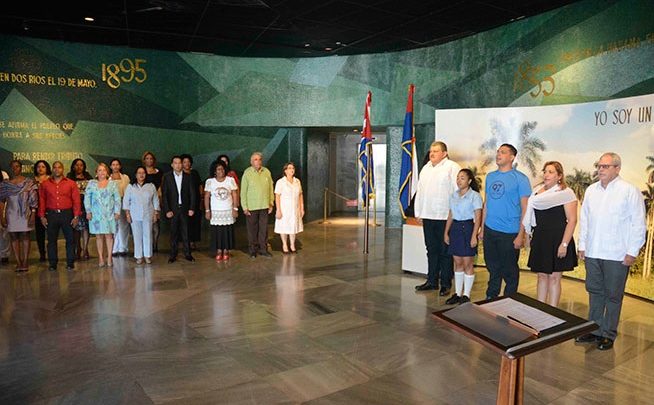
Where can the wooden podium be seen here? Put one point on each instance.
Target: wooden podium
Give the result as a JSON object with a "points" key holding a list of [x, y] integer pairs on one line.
{"points": [[511, 338]]}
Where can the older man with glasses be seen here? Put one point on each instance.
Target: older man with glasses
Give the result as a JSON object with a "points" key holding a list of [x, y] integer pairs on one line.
{"points": [[612, 231]]}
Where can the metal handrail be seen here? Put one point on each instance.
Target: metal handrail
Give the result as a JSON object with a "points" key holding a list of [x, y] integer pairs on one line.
{"points": [[325, 205]]}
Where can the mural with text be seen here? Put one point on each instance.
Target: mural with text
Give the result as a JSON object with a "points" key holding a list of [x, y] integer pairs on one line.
{"points": [[576, 135]]}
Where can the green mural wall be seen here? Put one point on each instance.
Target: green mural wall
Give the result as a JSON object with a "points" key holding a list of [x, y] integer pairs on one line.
{"points": [[63, 100]]}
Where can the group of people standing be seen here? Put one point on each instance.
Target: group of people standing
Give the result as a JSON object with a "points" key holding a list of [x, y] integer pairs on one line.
{"points": [[513, 216], [109, 204]]}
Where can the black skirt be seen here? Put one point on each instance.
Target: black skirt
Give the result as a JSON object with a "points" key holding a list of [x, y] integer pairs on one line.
{"points": [[460, 235], [222, 237], [545, 241]]}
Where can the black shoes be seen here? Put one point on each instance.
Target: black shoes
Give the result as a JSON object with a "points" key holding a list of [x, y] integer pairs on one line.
{"points": [[70, 266], [426, 287], [265, 254], [604, 344], [454, 299], [588, 338], [172, 259], [444, 291], [52, 268], [4, 260], [189, 258], [253, 255]]}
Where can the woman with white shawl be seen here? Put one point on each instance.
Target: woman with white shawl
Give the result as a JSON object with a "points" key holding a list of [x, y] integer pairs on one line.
{"points": [[549, 222]]}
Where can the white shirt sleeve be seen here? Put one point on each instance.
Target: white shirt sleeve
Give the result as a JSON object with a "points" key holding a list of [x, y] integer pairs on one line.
{"points": [[637, 228], [583, 223], [127, 197]]}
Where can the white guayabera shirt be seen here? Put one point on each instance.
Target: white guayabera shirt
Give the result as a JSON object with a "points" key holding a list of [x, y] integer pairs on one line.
{"points": [[612, 222]]}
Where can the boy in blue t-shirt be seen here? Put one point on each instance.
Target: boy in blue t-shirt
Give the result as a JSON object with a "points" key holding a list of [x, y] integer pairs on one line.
{"points": [[507, 191]]}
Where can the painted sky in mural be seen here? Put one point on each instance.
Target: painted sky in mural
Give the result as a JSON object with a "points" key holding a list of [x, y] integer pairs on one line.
{"points": [[574, 134]]}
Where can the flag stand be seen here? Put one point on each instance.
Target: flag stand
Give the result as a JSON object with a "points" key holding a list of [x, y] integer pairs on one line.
{"points": [[366, 231]]}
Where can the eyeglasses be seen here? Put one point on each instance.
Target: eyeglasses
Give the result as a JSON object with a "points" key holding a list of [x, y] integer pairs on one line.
{"points": [[605, 166]]}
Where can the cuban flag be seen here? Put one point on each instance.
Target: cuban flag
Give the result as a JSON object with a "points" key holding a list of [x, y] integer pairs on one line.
{"points": [[409, 165], [366, 182]]}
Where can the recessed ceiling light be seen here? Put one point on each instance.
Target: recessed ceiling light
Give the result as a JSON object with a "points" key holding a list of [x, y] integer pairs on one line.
{"points": [[89, 19], [328, 49], [356, 130], [338, 42], [307, 45]]}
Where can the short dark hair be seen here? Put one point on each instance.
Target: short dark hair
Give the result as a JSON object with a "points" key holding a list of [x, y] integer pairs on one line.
{"points": [[286, 167], [175, 157], [214, 165], [71, 174], [187, 156], [48, 170], [133, 180], [228, 163], [119, 162], [440, 144], [512, 148]]}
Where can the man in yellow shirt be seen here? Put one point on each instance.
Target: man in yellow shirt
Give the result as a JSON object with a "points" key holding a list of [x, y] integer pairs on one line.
{"points": [[257, 199]]}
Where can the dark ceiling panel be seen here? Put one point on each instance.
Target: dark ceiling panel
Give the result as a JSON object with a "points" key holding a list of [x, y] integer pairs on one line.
{"points": [[270, 28]]}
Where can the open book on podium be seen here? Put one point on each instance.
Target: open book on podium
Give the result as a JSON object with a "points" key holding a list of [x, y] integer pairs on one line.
{"points": [[515, 325]]}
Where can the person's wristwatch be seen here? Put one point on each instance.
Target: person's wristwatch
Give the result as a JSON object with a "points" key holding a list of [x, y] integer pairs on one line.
{"points": [[564, 244], [235, 209], [207, 210]]}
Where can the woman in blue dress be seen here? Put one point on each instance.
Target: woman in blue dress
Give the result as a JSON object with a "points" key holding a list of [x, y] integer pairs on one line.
{"points": [[102, 202]]}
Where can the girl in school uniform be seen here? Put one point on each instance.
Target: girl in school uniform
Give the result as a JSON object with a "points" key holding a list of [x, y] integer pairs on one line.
{"points": [[461, 234]]}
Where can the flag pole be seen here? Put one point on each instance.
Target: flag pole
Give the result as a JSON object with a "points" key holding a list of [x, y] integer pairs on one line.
{"points": [[366, 231]]}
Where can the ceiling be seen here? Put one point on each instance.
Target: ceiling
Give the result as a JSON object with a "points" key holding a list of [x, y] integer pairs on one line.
{"points": [[265, 28]]}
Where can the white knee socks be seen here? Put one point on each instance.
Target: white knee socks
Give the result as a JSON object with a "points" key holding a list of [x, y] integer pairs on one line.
{"points": [[467, 284], [458, 282]]}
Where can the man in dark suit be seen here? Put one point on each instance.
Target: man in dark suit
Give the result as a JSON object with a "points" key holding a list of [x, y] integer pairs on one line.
{"points": [[178, 197]]}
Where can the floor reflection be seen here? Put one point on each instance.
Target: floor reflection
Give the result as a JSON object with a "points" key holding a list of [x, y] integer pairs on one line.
{"points": [[325, 325], [289, 288]]}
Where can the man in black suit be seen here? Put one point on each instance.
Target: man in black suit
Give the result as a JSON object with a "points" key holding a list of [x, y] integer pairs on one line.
{"points": [[178, 197]]}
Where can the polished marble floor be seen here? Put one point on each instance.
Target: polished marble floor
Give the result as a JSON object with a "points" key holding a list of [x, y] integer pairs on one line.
{"points": [[324, 326]]}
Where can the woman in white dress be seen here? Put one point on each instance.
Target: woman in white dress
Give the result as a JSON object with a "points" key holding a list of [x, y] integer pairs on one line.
{"points": [[290, 207]]}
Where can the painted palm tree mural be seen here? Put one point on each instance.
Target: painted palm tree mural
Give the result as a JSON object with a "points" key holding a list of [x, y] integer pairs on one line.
{"points": [[578, 181], [529, 146], [648, 193], [498, 136], [650, 169]]}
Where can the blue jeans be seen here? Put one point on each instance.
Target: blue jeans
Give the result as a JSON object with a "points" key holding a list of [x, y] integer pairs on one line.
{"points": [[439, 261]]}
